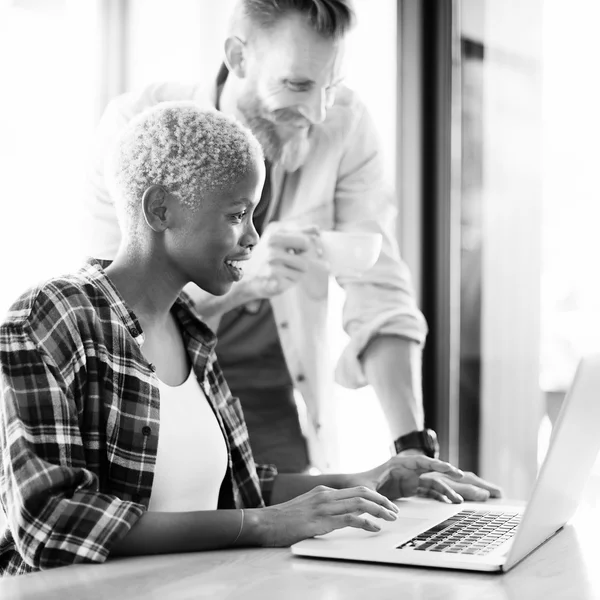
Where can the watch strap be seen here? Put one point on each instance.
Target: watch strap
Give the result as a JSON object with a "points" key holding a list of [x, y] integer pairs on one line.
{"points": [[425, 440]]}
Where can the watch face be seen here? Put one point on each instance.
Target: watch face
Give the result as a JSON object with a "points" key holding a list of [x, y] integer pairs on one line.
{"points": [[432, 442], [430, 437]]}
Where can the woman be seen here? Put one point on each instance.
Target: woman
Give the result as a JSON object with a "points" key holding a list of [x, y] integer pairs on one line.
{"points": [[118, 434]]}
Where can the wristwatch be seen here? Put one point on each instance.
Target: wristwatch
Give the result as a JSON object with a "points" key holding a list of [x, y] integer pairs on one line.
{"points": [[425, 440]]}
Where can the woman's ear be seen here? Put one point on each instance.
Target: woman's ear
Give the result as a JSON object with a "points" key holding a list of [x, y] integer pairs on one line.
{"points": [[235, 59], [155, 205]]}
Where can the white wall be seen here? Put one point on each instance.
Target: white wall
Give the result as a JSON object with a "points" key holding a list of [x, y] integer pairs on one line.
{"points": [[47, 59], [175, 40]]}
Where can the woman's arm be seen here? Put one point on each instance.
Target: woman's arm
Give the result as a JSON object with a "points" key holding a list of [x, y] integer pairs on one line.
{"points": [[317, 512], [58, 515], [166, 532], [303, 506]]}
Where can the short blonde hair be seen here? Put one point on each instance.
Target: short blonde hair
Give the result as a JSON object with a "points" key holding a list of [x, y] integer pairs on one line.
{"points": [[188, 150]]}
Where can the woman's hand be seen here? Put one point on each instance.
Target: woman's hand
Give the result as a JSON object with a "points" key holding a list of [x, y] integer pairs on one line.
{"points": [[322, 510]]}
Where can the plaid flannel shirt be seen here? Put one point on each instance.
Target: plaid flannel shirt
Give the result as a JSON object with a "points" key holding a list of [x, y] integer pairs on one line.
{"points": [[79, 422]]}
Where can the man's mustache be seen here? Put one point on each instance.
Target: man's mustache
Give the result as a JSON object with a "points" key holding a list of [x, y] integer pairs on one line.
{"points": [[285, 117]]}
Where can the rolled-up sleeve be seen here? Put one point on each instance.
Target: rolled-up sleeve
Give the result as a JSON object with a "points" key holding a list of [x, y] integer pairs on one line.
{"points": [[55, 512], [382, 301]]}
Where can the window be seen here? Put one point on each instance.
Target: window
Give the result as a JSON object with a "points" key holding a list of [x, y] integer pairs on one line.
{"points": [[530, 304]]}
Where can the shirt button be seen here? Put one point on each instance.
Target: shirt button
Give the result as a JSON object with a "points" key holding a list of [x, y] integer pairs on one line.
{"points": [[146, 430], [300, 378], [284, 325]]}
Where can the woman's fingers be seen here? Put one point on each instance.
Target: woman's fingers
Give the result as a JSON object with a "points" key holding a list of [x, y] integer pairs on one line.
{"points": [[359, 506], [356, 501], [364, 492], [358, 522]]}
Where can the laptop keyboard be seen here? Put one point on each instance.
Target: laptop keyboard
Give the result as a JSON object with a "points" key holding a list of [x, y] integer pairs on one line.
{"points": [[467, 532]]}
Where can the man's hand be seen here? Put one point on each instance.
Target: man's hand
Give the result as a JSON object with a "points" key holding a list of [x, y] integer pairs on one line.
{"points": [[470, 487], [279, 261], [401, 475]]}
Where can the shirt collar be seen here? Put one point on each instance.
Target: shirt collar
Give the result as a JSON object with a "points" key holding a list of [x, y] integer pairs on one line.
{"points": [[94, 272], [183, 309]]}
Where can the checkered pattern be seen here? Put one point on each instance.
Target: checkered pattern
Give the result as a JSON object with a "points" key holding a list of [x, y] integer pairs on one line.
{"points": [[79, 422]]}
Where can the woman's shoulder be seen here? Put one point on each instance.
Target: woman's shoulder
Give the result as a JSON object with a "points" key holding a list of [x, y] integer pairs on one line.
{"points": [[54, 305]]}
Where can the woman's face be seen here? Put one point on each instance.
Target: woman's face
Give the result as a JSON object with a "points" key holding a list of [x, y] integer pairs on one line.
{"points": [[207, 243]]}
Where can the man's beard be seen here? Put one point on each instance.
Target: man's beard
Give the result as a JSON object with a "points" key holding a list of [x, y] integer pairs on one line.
{"points": [[291, 153]]}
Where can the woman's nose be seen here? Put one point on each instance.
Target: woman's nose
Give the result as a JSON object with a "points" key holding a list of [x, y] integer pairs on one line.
{"points": [[250, 237]]}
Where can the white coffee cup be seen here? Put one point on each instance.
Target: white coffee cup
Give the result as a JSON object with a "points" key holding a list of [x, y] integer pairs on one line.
{"points": [[350, 253]]}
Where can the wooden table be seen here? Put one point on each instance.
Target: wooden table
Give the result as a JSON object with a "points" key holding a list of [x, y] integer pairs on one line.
{"points": [[566, 567]]}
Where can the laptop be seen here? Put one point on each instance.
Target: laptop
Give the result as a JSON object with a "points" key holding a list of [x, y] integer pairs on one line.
{"points": [[492, 536]]}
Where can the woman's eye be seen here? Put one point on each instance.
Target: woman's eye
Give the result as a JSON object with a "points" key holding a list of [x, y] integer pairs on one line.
{"points": [[239, 216]]}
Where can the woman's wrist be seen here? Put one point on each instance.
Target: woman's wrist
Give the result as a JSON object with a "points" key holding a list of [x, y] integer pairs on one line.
{"points": [[255, 528]]}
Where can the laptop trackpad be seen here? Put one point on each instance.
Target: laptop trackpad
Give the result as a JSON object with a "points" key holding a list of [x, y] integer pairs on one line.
{"points": [[400, 529]]}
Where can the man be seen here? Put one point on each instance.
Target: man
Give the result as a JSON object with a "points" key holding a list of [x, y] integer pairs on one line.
{"points": [[282, 78]]}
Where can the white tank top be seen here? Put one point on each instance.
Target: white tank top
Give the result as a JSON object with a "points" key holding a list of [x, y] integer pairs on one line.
{"points": [[192, 456]]}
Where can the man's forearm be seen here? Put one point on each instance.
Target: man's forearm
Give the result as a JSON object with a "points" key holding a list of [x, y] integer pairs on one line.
{"points": [[392, 366]]}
